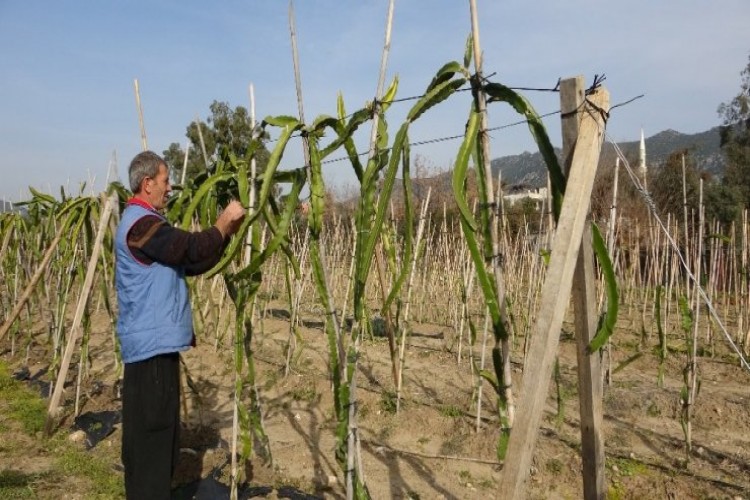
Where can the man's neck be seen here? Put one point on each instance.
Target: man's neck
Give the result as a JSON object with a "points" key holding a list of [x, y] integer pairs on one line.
{"points": [[139, 199]]}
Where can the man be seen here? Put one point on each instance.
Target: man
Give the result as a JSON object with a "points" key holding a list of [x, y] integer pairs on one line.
{"points": [[155, 321]]}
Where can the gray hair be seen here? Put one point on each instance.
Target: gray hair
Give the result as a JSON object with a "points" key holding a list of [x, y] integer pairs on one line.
{"points": [[145, 164]]}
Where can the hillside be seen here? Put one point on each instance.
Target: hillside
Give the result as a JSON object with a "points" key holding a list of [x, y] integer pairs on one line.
{"points": [[529, 169]]}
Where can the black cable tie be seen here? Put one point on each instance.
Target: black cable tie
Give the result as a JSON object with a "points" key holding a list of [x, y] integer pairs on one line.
{"points": [[602, 112]]}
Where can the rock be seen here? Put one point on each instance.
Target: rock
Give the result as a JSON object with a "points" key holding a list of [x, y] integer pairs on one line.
{"points": [[77, 437], [615, 469], [331, 481]]}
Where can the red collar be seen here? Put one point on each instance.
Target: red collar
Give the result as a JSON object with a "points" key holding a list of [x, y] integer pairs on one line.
{"points": [[142, 203]]}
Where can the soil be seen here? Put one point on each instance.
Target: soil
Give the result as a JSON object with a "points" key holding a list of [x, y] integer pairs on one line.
{"points": [[431, 447]]}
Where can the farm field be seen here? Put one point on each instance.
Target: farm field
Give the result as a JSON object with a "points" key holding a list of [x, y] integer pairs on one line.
{"points": [[381, 350], [430, 448]]}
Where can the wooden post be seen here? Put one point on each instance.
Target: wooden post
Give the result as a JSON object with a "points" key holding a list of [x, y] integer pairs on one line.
{"points": [[144, 141], [88, 281], [32, 283], [584, 303], [555, 297]]}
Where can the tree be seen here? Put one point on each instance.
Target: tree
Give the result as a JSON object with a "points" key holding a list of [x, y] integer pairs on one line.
{"points": [[225, 127], [666, 184], [735, 139]]}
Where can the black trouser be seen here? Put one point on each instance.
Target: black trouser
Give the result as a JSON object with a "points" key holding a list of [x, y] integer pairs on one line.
{"points": [[150, 426]]}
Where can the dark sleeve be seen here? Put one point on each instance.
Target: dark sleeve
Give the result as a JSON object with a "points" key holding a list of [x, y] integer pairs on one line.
{"points": [[153, 240]]}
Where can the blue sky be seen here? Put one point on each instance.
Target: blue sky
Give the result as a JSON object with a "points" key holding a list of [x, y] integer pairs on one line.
{"points": [[66, 84]]}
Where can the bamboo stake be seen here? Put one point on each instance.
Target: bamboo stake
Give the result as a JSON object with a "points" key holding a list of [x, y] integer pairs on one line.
{"points": [[353, 430], [200, 139], [82, 299], [183, 174], [297, 288], [692, 378], [685, 222], [32, 283], [6, 242], [501, 345], [246, 261], [407, 308], [144, 141]]}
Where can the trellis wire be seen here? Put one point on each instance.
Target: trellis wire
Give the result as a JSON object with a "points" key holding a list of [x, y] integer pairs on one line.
{"points": [[652, 210]]}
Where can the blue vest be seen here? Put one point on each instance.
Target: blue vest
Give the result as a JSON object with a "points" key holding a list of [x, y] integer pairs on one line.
{"points": [[154, 307]]}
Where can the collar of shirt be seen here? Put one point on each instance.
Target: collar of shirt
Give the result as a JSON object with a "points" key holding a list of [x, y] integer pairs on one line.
{"points": [[143, 203]]}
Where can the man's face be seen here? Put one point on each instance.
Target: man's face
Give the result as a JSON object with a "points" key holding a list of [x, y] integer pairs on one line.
{"points": [[158, 188]]}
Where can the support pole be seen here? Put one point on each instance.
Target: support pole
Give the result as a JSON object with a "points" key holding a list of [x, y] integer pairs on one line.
{"points": [[144, 141], [586, 317], [88, 281], [555, 297], [32, 283]]}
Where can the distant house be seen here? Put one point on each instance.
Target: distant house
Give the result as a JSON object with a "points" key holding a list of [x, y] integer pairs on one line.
{"points": [[537, 195], [6, 206]]}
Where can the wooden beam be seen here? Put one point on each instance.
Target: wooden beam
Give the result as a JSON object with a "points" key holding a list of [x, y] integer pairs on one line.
{"points": [[555, 297], [586, 314]]}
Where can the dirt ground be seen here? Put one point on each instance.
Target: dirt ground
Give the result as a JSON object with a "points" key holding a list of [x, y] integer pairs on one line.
{"points": [[431, 448]]}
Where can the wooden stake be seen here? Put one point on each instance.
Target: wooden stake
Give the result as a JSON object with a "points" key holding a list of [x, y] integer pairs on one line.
{"points": [[202, 142], [586, 317], [74, 329], [183, 174], [32, 283], [486, 170], [144, 141], [555, 297]]}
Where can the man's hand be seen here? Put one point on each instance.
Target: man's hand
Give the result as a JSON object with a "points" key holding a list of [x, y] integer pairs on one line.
{"points": [[230, 219]]}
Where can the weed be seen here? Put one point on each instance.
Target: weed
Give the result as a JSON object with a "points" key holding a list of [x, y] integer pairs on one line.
{"points": [[16, 484], [627, 467], [23, 405], [306, 393], [653, 410], [615, 492], [79, 463], [451, 411], [554, 466], [486, 484], [363, 410], [272, 377], [423, 440], [388, 402]]}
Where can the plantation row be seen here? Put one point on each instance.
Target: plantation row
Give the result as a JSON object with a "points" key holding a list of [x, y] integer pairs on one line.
{"points": [[443, 290]]}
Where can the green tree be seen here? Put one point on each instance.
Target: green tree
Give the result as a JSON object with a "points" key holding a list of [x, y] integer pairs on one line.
{"points": [[224, 127], [722, 202], [666, 184], [735, 139]]}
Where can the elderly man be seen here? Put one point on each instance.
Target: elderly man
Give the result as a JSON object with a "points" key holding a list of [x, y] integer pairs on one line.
{"points": [[155, 321]]}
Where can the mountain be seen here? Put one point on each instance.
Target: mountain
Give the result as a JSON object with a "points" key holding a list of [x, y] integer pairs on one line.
{"points": [[528, 169]]}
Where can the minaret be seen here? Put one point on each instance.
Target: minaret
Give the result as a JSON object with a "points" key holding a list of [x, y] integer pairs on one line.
{"points": [[642, 158]]}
